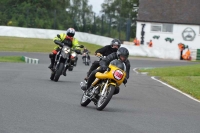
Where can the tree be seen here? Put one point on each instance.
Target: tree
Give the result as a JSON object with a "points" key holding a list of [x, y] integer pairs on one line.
{"points": [[63, 14], [119, 13]]}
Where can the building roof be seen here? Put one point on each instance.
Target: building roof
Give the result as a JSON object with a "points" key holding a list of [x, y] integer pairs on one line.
{"points": [[170, 11]]}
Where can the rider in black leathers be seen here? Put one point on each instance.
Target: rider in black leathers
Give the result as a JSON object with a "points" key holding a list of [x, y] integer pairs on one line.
{"points": [[105, 51]]}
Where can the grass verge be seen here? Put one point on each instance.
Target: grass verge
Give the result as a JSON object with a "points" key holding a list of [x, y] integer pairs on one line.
{"points": [[185, 78], [35, 45], [17, 59]]}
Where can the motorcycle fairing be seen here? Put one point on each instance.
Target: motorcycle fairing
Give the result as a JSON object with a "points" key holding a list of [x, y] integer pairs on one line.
{"points": [[110, 74]]}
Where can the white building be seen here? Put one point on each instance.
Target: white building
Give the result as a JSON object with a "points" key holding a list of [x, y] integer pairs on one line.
{"points": [[168, 23]]}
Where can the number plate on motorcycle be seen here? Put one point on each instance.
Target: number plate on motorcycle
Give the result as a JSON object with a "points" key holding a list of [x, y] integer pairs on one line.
{"points": [[66, 50], [118, 74]]}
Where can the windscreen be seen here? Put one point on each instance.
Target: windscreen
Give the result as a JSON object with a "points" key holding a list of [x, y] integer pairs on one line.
{"points": [[119, 64]]}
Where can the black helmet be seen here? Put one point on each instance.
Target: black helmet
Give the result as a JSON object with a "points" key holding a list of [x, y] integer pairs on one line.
{"points": [[115, 42], [123, 52]]}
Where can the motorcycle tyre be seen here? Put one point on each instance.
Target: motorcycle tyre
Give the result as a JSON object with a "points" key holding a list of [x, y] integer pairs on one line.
{"points": [[111, 90], [52, 75], [85, 61], [88, 63], [86, 102], [59, 72], [75, 63]]}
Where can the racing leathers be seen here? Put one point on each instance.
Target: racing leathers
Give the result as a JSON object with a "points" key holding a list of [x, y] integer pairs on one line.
{"points": [[61, 40], [104, 51]]}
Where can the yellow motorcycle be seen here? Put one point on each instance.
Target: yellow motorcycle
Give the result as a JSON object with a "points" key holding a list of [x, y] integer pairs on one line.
{"points": [[104, 85]]}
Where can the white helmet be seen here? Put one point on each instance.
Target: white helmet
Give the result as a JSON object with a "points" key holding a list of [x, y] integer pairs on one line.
{"points": [[70, 32]]}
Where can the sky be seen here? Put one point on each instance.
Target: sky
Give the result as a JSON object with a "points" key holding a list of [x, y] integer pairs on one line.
{"points": [[96, 5]]}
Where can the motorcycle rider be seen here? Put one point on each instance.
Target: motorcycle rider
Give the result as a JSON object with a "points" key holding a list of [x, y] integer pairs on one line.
{"points": [[61, 40], [104, 51], [121, 54], [85, 50]]}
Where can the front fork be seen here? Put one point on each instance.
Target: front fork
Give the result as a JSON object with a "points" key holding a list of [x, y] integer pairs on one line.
{"points": [[58, 62], [104, 88], [66, 64]]}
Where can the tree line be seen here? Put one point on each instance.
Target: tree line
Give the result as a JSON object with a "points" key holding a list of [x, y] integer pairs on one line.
{"points": [[117, 17]]}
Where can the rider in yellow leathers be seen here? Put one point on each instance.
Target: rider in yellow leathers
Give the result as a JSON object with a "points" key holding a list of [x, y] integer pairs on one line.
{"points": [[61, 40]]}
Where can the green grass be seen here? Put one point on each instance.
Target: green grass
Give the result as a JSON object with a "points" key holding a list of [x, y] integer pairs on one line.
{"points": [[35, 45], [11, 59], [185, 78]]}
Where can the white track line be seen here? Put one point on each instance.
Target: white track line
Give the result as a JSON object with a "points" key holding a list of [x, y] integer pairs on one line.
{"points": [[170, 87], [135, 70]]}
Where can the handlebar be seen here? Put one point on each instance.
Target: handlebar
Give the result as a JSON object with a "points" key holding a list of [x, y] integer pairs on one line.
{"points": [[80, 46]]}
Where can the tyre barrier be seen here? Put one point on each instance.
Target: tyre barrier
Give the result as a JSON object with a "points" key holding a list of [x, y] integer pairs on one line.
{"points": [[30, 60]]}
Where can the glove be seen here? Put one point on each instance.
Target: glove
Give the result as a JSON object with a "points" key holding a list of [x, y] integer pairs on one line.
{"points": [[125, 81], [59, 43], [98, 54]]}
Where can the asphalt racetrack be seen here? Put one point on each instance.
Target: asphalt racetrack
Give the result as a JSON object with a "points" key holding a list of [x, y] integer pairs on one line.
{"points": [[31, 103]]}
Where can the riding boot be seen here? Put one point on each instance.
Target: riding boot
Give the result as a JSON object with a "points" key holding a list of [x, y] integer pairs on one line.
{"points": [[86, 78], [52, 63]]}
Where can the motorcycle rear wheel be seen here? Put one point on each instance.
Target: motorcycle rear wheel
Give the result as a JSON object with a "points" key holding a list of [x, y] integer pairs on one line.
{"points": [[84, 100], [75, 63], [59, 72], [104, 100]]}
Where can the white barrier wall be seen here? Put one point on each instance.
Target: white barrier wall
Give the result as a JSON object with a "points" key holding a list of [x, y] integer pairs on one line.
{"points": [[165, 48], [50, 34], [142, 50], [177, 35]]}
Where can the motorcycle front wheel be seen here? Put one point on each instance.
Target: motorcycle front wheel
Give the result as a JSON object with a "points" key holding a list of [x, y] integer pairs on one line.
{"points": [[85, 100], [59, 72], [52, 75], [105, 98], [85, 61], [88, 63]]}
